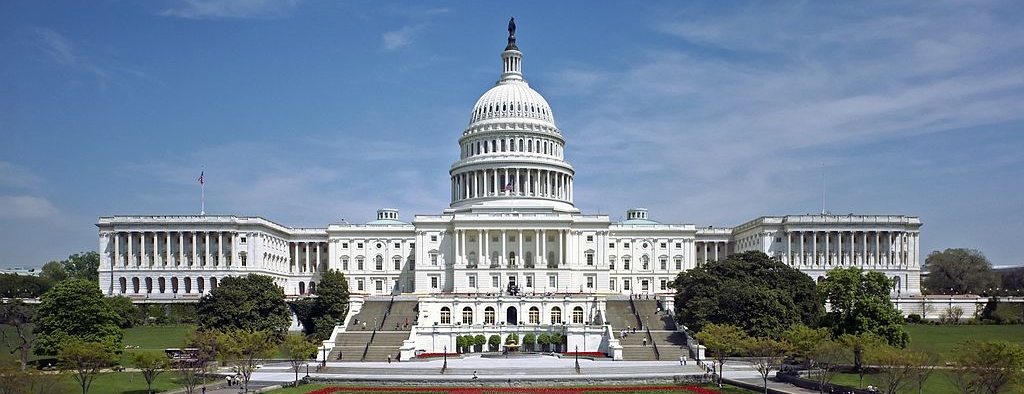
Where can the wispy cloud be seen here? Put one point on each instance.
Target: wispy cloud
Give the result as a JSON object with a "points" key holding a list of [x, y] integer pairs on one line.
{"points": [[27, 207], [402, 37], [63, 51], [14, 176], [232, 9]]}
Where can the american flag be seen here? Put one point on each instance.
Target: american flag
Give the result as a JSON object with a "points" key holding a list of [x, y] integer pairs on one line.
{"points": [[201, 180]]}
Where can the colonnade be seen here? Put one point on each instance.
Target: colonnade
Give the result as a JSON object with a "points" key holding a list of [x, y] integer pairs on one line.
{"points": [[512, 181], [512, 254], [307, 256], [508, 144], [712, 250], [177, 248], [858, 248]]}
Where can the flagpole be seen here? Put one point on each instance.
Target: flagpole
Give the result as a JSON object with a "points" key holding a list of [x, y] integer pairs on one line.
{"points": [[202, 191]]}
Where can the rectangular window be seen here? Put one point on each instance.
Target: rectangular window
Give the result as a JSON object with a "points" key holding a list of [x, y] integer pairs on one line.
{"points": [[590, 238], [344, 245], [590, 282], [625, 264], [664, 263], [611, 245], [679, 264], [679, 245], [511, 238], [398, 245], [433, 282], [344, 264], [625, 284], [359, 245], [552, 281], [495, 281], [398, 265], [664, 284], [433, 238], [611, 284], [359, 285], [625, 245], [611, 265], [241, 240], [645, 285], [529, 280], [664, 245], [359, 264], [590, 259], [778, 239], [472, 281], [380, 285], [495, 239], [379, 264], [433, 259]]}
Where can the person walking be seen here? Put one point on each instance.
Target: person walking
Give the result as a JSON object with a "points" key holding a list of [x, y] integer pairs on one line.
{"points": [[645, 342], [389, 359], [474, 375]]}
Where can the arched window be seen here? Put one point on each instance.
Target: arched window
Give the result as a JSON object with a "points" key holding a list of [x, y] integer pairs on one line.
{"points": [[528, 259], [188, 285], [446, 315], [556, 315], [398, 262], [577, 315], [551, 258], [534, 315], [174, 285], [213, 283], [379, 262], [200, 285], [149, 285], [512, 257], [302, 288], [646, 262], [124, 284], [489, 315], [135, 285], [467, 315], [161, 284], [312, 287], [472, 259], [495, 256]]}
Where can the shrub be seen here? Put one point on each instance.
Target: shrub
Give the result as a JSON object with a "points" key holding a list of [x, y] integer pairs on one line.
{"points": [[494, 341], [914, 318]]}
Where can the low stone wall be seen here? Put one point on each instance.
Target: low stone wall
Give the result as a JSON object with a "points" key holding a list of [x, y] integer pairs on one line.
{"points": [[525, 381]]}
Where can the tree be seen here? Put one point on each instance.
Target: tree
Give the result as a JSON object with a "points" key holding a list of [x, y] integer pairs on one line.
{"points": [[895, 366], [959, 271], [83, 266], [150, 365], [330, 305], [479, 340], [859, 303], [15, 381], [860, 345], [75, 308], [125, 310], [19, 316], [924, 363], [23, 286], [544, 340], [721, 341], [204, 345], [246, 349], [299, 351], [253, 302], [986, 367], [53, 271], [747, 290], [529, 340], [803, 340], [493, 342], [85, 359], [765, 354], [827, 359]]}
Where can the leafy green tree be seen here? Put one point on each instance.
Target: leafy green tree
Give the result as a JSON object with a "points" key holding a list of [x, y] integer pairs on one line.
{"points": [[253, 302], [245, 350], [860, 345], [493, 341], [766, 355], [85, 359], [53, 271], [299, 351], [462, 342], [83, 266], [19, 337], [23, 286], [959, 271], [125, 310], [859, 303], [479, 340], [989, 367], [544, 340], [330, 305], [75, 308], [924, 363], [559, 341], [15, 381], [150, 365], [827, 359], [803, 340], [529, 340], [895, 366], [204, 345], [747, 290], [721, 341]]}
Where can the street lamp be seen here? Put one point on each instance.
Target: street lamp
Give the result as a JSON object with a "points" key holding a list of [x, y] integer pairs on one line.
{"points": [[577, 358], [444, 367]]}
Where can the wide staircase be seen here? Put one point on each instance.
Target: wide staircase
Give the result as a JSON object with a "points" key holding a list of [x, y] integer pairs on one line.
{"points": [[622, 318], [376, 332], [670, 343]]}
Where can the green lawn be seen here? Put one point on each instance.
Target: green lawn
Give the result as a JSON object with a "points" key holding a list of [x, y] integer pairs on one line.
{"points": [[942, 339], [153, 339], [937, 382], [126, 383], [305, 389]]}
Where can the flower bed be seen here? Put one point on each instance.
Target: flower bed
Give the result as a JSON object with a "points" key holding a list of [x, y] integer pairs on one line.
{"points": [[586, 354], [541, 390], [429, 355]]}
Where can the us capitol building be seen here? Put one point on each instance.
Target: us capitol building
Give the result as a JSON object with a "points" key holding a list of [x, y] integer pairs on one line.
{"points": [[511, 240]]}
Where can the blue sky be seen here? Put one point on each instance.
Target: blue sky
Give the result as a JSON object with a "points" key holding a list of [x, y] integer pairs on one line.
{"points": [[307, 112]]}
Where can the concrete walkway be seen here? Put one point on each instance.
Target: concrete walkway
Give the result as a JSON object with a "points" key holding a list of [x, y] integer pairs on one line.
{"points": [[520, 371]]}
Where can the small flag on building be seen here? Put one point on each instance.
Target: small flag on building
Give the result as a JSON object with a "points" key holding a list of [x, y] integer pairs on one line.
{"points": [[201, 179], [508, 186]]}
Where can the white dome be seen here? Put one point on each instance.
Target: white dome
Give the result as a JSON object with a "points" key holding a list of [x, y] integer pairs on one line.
{"points": [[511, 99]]}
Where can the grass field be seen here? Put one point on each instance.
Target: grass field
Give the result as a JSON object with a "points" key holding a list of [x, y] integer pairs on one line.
{"points": [[152, 339], [942, 339], [937, 382]]}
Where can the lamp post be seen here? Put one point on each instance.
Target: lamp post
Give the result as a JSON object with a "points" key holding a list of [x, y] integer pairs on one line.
{"points": [[577, 358], [324, 362], [444, 368]]}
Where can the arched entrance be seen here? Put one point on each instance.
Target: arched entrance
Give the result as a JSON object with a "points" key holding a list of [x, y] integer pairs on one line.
{"points": [[512, 316]]}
